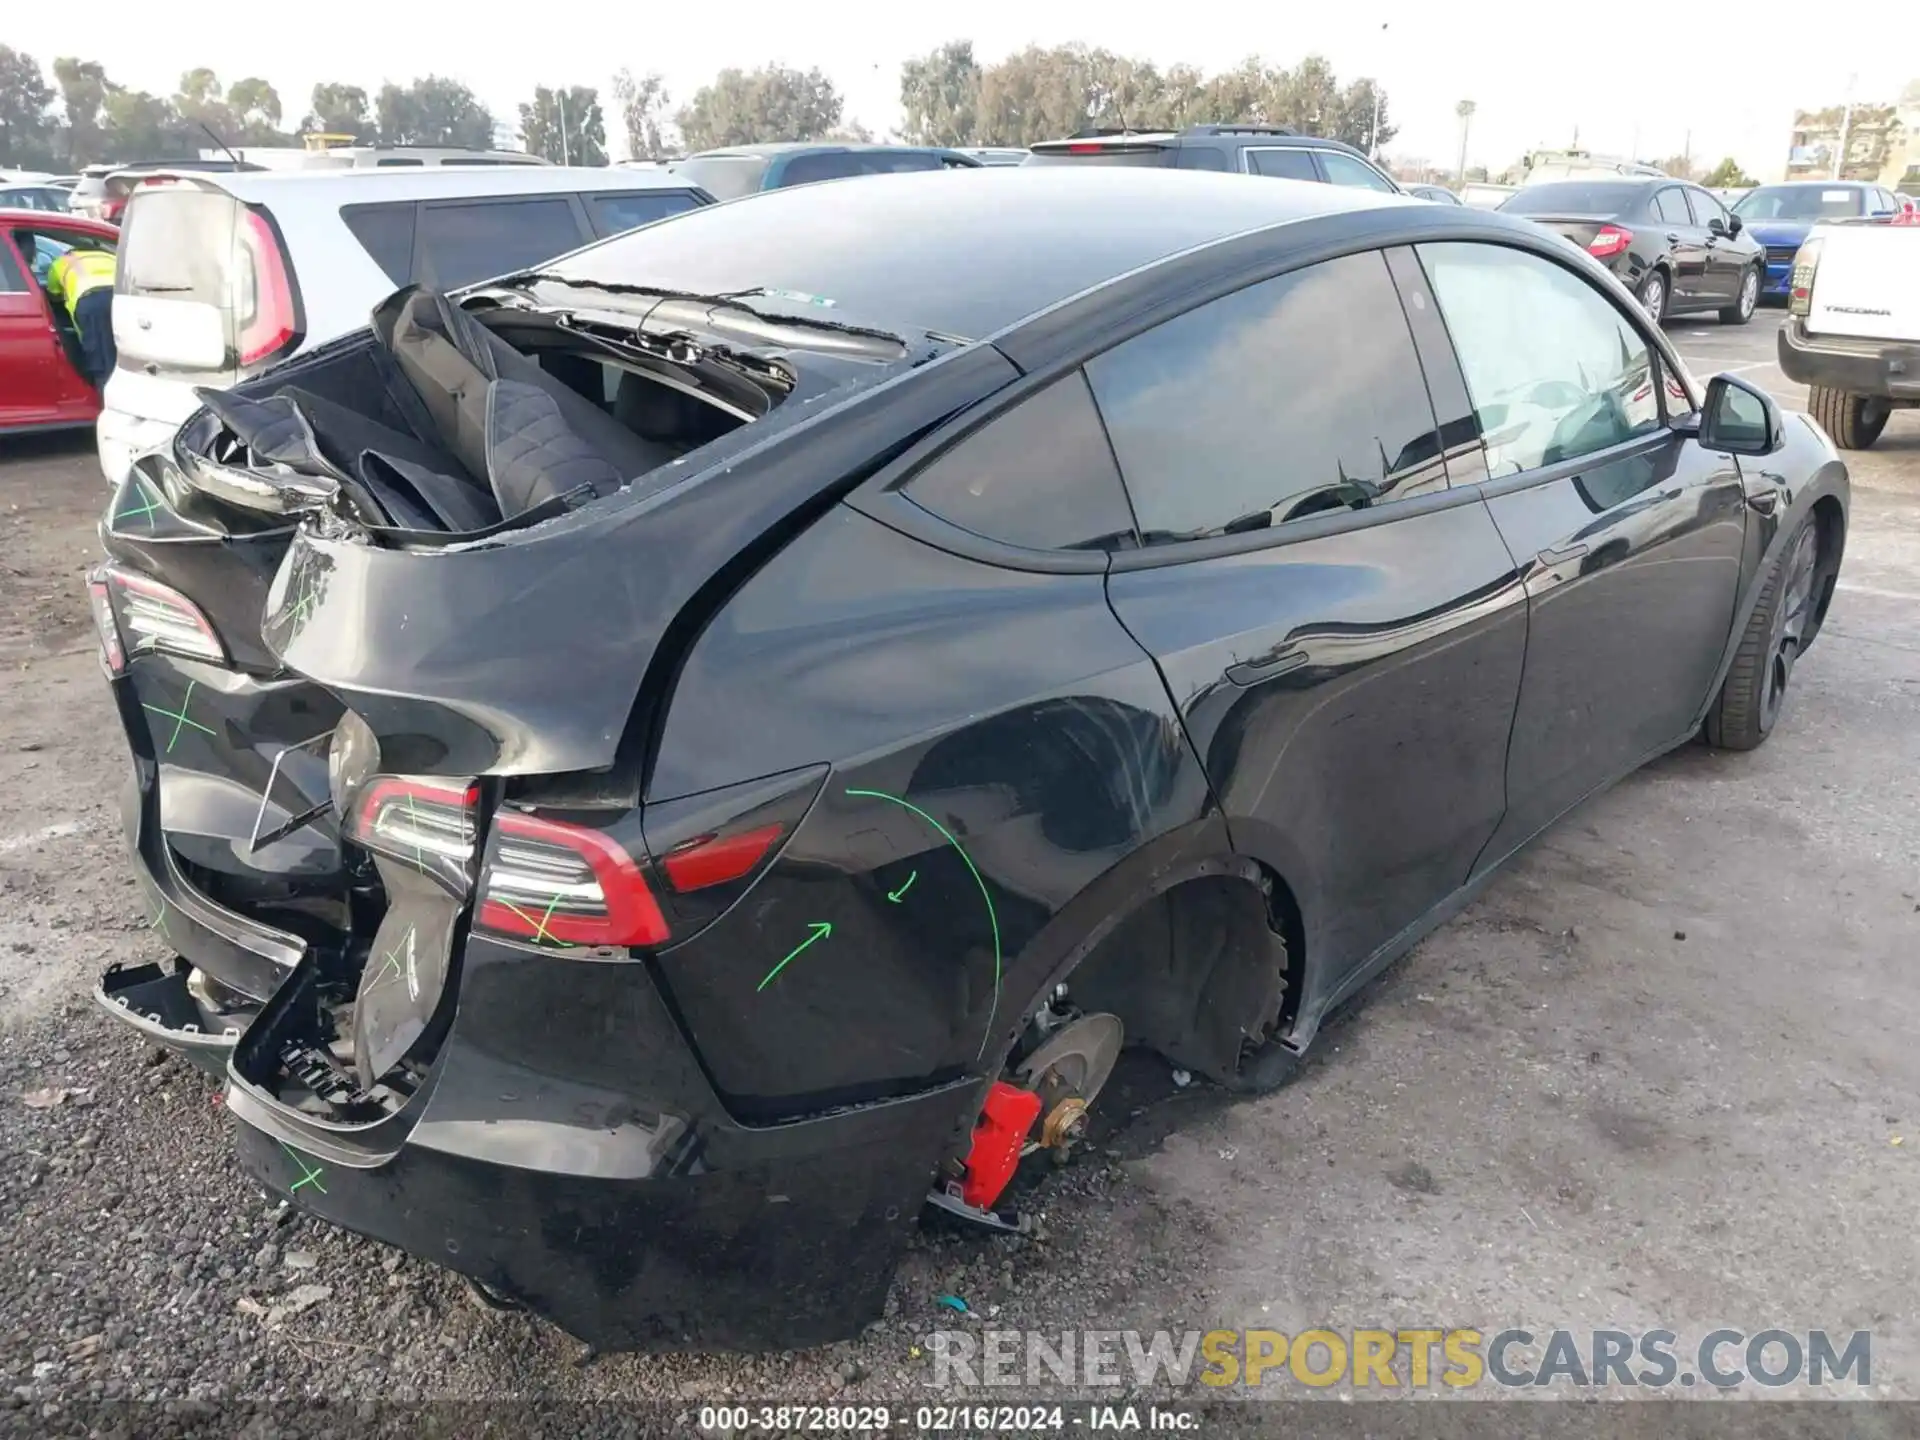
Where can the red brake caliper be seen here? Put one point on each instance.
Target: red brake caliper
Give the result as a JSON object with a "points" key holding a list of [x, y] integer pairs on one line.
{"points": [[998, 1136]]}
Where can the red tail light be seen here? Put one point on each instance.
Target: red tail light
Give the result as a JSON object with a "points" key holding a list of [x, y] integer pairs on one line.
{"points": [[713, 860], [264, 305], [426, 823], [1085, 149], [152, 616], [560, 884], [113, 654], [1609, 241]]}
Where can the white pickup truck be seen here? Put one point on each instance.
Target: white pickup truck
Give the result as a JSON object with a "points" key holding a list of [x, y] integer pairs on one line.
{"points": [[1852, 335]]}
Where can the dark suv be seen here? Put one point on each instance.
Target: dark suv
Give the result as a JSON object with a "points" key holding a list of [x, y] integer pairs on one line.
{"points": [[1250, 149]]}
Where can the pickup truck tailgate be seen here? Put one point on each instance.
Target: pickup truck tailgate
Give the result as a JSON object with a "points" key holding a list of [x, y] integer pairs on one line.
{"points": [[1868, 282]]}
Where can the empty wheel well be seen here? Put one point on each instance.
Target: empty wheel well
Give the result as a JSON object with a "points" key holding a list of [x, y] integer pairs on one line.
{"points": [[1203, 973]]}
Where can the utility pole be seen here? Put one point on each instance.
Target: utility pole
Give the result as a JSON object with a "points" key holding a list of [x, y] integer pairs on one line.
{"points": [[1465, 111], [1686, 155], [1846, 124], [566, 155]]}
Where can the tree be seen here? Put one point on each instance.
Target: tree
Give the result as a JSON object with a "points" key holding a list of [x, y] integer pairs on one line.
{"points": [[741, 107], [27, 128], [1728, 175], [256, 110], [643, 114], [1681, 167], [433, 111], [565, 126], [341, 110], [139, 126], [83, 95], [940, 96]]}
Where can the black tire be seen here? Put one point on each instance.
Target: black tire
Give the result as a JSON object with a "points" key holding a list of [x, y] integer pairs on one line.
{"points": [[1656, 310], [1750, 700], [1741, 311], [1854, 421]]}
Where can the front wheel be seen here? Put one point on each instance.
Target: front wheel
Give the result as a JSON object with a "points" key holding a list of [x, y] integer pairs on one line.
{"points": [[1750, 700], [1741, 311], [1854, 421]]}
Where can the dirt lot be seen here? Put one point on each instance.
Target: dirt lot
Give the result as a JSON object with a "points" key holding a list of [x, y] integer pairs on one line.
{"points": [[1663, 1074]]}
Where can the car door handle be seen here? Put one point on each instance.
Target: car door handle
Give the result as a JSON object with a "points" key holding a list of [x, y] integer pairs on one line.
{"points": [[1253, 672], [1673, 237], [1562, 555], [1562, 563]]}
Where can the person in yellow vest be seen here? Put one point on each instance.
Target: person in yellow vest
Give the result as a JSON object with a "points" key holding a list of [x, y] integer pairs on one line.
{"points": [[82, 280]]}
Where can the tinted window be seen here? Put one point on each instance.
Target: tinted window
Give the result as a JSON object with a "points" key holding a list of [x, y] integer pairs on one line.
{"points": [[1798, 202], [11, 281], [841, 165], [1201, 157], [1706, 209], [1295, 396], [1283, 164], [614, 213], [1345, 170], [1671, 206], [725, 177], [1576, 197], [385, 232], [1555, 371], [1040, 475], [389, 162], [460, 244]]}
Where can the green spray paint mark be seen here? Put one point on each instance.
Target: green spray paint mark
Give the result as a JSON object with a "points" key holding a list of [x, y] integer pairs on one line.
{"points": [[894, 895], [179, 717], [303, 607], [821, 930], [159, 921], [148, 510], [309, 1174], [993, 918], [541, 935], [391, 970]]}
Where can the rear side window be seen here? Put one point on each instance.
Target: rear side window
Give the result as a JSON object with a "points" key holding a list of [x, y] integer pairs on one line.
{"points": [[1345, 170], [178, 244], [1294, 397], [460, 244], [385, 232], [1554, 369], [614, 213], [1040, 475], [1671, 206], [806, 169], [1283, 164], [725, 177], [11, 281], [1201, 157]]}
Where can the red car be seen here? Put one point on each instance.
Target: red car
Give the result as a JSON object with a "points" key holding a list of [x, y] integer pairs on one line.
{"points": [[41, 383]]}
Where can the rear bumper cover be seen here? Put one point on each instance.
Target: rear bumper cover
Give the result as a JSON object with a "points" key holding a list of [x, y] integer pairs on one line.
{"points": [[1888, 368], [570, 1154]]}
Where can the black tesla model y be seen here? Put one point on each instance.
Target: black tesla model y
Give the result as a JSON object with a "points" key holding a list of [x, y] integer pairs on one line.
{"points": [[657, 770]]}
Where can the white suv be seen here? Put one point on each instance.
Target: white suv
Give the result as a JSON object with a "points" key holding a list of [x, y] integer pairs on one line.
{"points": [[222, 275]]}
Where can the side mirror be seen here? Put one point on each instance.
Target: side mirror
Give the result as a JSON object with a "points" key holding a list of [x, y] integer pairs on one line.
{"points": [[1739, 417], [1733, 225]]}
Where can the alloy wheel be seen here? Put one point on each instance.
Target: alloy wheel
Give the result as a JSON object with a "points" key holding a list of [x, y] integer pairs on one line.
{"points": [[1791, 620], [1749, 293], [1653, 296]]}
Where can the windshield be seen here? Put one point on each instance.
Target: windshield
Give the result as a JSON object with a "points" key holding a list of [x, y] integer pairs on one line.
{"points": [[1575, 197], [1800, 202], [725, 177]]}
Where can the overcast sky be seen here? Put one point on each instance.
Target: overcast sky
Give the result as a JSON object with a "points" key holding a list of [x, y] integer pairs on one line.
{"points": [[1731, 74]]}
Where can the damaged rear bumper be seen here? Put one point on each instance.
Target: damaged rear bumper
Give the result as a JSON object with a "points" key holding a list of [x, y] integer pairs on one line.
{"points": [[604, 1185]]}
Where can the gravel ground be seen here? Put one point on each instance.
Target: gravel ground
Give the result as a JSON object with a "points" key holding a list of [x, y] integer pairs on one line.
{"points": [[1662, 1074]]}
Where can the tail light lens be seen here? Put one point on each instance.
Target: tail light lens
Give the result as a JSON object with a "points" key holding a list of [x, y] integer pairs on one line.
{"points": [[559, 884], [1609, 241], [151, 616], [263, 293], [113, 655], [708, 860], [1800, 285], [428, 824]]}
